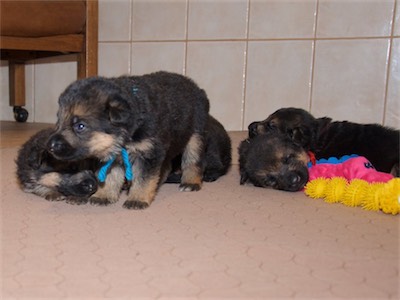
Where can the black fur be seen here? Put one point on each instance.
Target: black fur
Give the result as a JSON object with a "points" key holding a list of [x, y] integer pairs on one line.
{"points": [[155, 117], [325, 138], [273, 160], [65, 180], [218, 155]]}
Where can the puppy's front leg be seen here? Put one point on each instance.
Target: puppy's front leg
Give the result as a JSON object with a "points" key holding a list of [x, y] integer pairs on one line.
{"points": [[147, 167], [142, 191], [110, 191]]}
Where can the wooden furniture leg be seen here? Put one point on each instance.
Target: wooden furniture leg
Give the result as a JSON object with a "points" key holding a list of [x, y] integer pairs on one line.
{"points": [[16, 72]]}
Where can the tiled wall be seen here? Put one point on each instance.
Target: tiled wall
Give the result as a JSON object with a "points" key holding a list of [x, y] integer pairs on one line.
{"points": [[332, 57]]}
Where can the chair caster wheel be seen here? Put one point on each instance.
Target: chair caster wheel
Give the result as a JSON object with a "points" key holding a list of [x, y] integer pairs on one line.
{"points": [[20, 114]]}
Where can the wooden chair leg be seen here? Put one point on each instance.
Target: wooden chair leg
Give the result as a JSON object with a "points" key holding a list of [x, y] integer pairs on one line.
{"points": [[81, 65], [17, 83], [17, 90]]}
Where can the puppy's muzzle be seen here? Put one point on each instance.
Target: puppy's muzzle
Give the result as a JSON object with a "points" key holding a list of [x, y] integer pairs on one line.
{"points": [[295, 181], [60, 148]]}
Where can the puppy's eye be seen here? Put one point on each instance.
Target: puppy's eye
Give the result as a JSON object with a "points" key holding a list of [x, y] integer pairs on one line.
{"points": [[79, 127], [271, 126], [290, 133], [287, 158]]}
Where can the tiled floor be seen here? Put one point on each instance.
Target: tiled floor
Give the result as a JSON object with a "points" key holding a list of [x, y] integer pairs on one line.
{"points": [[224, 242]]}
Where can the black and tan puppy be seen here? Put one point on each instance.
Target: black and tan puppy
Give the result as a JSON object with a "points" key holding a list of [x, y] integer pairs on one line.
{"points": [[154, 117], [325, 138], [273, 160], [40, 173], [218, 154]]}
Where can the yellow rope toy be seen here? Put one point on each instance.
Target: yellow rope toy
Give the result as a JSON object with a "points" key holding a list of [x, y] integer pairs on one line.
{"points": [[357, 192]]}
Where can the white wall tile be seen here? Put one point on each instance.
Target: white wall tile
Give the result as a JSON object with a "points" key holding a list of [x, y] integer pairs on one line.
{"points": [[217, 67], [158, 20], [221, 19], [397, 20], [392, 117], [354, 18], [278, 75], [51, 79], [149, 57], [6, 110], [282, 19], [114, 20], [349, 79], [114, 59]]}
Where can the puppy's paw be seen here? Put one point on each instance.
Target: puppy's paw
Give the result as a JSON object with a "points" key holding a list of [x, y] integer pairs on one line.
{"points": [[99, 201], [133, 204], [189, 187], [76, 200], [88, 186], [55, 197]]}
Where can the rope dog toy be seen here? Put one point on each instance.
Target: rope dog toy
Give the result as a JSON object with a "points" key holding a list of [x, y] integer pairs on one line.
{"points": [[127, 164]]}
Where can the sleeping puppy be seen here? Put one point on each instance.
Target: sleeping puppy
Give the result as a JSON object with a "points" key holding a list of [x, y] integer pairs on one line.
{"points": [[273, 160], [218, 155], [379, 144], [134, 124], [40, 173]]}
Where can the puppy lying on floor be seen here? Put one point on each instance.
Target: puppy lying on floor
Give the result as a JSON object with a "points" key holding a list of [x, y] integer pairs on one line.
{"points": [[145, 121], [40, 173], [325, 138], [273, 160]]}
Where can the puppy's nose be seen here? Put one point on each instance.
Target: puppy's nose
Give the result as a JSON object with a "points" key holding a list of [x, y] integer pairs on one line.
{"points": [[252, 128], [294, 179], [55, 145]]}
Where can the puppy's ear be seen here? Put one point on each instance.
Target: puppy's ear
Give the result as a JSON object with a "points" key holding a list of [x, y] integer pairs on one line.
{"points": [[119, 111], [322, 124], [302, 136]]}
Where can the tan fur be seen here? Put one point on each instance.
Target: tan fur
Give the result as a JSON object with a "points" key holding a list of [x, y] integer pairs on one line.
{"points": [[143, 146], [192, 151], [144, 191], [303, 157], [50, 179], [101, 143], [191, 172], [112, 186], [80, 110]]}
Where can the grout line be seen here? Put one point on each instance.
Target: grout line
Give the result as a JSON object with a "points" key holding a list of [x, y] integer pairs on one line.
{"points": [[185, 58], [314, 45], [388, 65], [245, 61], [258, 39], [130, 63]]}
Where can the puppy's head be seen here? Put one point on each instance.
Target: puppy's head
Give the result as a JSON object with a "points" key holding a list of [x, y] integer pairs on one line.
{"points": [[299, 125], [95, 119], [273, 160]]}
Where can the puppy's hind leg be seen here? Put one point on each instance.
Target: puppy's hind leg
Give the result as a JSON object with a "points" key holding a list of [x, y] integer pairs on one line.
{"points": [[192, 164]]}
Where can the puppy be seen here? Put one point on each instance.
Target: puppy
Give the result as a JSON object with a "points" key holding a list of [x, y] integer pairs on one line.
{"points": [[325, 138], [40, 173], [273, 160], [153, 117], [218, 155]]}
